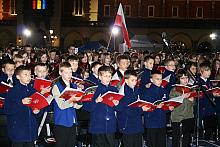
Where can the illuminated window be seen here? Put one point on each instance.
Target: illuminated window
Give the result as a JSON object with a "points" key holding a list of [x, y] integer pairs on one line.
{"points": [[39, 4], [13, 7], [78, 8], [151, 11], [106, 10], [127, 10], [199, 12], [175, 11]]}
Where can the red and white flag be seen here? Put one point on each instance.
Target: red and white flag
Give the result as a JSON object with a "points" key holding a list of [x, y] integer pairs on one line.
{"points": [[120, 21]]}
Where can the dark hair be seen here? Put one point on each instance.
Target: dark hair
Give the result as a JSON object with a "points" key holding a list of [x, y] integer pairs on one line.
{"points": [[105, 69], [41, 64], [94, 64], [21, 68], [180, 73], [121, 57], [190, 64], [9, 61], [72, 58], [153, 72], [148, 57], [129, 73], [167, 61]]}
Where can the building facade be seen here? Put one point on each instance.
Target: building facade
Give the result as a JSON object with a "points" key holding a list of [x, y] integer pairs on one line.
{"points": [[187, 23]]}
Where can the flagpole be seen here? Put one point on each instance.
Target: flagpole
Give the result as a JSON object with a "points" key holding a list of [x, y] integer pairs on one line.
{"points": [[109, 40]]}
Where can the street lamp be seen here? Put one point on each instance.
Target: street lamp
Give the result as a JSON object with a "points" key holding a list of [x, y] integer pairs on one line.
{"points": [[26, 33], [51, 38], [115, 31], [213, 37]]}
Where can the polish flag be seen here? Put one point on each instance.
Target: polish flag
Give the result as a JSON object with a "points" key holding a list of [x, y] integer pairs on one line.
{"points": [[120, 21]]}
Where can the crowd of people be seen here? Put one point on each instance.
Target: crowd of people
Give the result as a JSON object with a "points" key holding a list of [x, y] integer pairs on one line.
{"points": [[140, 76]]}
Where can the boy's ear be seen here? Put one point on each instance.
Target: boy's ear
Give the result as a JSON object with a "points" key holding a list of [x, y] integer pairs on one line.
{"points": [[35, 69], [151, 80], [18, 77], [60, 73], [3, 69], [126, 80]]}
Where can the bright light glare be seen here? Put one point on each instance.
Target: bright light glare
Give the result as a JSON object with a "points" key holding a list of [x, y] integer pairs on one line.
{"points": [[27, 32], [115, 30], [213, 36]]}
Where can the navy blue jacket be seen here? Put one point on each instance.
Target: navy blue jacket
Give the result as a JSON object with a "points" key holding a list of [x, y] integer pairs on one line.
{"points": [[205, 106], [156, 118], [93, 78], [102, 116], [145, 78], [21, 122], [129, 119], [166, 73]]}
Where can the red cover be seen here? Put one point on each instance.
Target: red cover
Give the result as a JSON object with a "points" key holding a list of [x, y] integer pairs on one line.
{"points": [[184, 88], [38, 101], [2, 101], [195, 95], [88, 94], [69, 92], [165, 81], [214, 90], [141, 103], [40, 83], [161, 68], [109, 96], [85, 82], [4, 87]]}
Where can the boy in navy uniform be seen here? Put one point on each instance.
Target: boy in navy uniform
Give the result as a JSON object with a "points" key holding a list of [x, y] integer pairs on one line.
{"points": [[21, 121], [102, 117], [93, 77], [145, 76], [7, 75], [130, 119], [155, 121], [64, 110]]}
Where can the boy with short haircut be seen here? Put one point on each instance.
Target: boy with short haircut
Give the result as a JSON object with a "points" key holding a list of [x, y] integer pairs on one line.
{"points": [[64, 110], [8, 69], [18, 59], [123, 64], [102, 117], [206, 110], [170, 68], [74, 62], [155, 121], [130, 119], [94, 75], [145, 76], [21, 121]]}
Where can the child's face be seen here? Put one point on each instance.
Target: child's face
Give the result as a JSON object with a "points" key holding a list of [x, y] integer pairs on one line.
{"points": [[41, 71], [105, 77], [9, 69], [24, 77], [205, 74], [184, 80], [193, 69], [52, 55], [18, 62], [149, 64], [156, 79], [157, 60], [171, 66], [123, 64], [66, 73], [74, 65], [131, 81], [44, 58], [107, 60]]}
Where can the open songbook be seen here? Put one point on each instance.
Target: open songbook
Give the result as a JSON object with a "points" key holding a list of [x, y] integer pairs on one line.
{"points": [[86, 95], [40, 83], [38, 101], [109, 96], [4, 87], [171, 102], [85, 82]]}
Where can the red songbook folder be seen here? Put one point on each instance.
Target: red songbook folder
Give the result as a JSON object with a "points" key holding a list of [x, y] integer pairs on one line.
{"points": [[69, 92], [38, 101], [109, 96], [40, 84], [175, 102], [183, 88], [214, 90], [141, 103], [2, 102], [195, 94], [215, 82], [85, 82], [88, 94], [161, 68], [165, 81], [4, 87]]}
